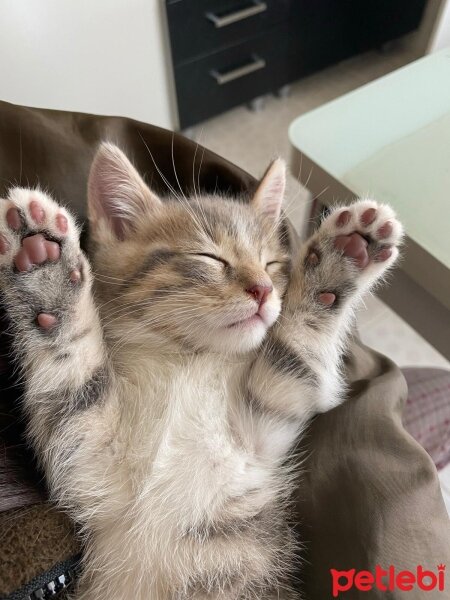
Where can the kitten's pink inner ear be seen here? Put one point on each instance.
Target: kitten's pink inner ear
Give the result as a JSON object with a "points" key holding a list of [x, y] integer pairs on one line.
{"points": [[268, 198], [117, 193]]}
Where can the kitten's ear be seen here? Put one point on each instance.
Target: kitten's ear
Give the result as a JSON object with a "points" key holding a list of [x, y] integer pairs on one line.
{"points": [[117, 193], [269, 196]]}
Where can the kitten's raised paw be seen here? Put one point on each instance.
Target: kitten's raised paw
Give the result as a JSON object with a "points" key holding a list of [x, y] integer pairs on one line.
{"points": [[33, 229], [365, 233], [40, 257]]}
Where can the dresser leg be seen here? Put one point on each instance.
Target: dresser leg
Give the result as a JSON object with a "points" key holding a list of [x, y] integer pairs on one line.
{"points": [[257, 104], [283, 92]]}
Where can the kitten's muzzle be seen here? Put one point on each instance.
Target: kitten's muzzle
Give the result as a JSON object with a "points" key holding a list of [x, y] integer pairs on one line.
{"points": [[260, 293]]}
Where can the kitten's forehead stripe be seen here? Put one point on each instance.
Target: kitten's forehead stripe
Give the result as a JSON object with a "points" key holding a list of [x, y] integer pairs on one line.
{"points": [[153, 260], [195, 271], [228, 218]]}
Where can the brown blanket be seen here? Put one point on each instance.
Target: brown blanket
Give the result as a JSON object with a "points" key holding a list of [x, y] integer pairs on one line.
{"points": [[368, 494]]}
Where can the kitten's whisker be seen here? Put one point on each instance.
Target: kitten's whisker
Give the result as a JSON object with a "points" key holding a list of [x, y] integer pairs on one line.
{"points": [[196, 195], [124, 311], [200, 169], [200, 136], [99, 278], [174, 169], [121, 279], [160, 173], [322, 192], [309, 177]]}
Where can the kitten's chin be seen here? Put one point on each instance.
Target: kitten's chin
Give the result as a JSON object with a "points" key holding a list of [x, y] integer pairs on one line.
{"points": [[246, 334], [240, 338]]}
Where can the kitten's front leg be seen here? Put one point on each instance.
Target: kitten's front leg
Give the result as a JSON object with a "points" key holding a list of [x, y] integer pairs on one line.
{"points": [[298, 372], [45, 286]]}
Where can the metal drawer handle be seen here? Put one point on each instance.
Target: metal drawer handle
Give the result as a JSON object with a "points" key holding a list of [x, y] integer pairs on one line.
{"points": [[256, 64], [257, 7]]}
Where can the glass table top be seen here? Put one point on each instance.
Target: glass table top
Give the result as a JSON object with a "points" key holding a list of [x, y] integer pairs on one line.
{"points": [[390, 140]]}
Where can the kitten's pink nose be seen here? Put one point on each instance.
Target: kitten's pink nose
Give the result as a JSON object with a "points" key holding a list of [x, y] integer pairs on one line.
{"points": [[260, 292]]}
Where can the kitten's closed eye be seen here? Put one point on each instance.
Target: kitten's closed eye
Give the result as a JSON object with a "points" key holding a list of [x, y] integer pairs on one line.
{"points": [[275, 263], [212, 257], [273, 267]]}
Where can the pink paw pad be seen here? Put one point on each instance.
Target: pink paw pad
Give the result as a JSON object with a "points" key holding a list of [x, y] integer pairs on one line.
{"points": [[385, 230], [46, 320], [53, 250], [35, 251], [37, 212], [75, 276], [368, 216], [312, 259], [327, 298], [14, 219], [353, 246], [4, 244], [343, 218], [35, 248], [383, 254], [22, 261], [61, 223]]}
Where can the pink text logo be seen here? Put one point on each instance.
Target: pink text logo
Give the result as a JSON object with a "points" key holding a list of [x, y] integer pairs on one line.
{"points": [[387, 580]]}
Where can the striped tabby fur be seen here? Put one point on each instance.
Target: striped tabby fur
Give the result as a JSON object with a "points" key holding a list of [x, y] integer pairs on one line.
{"points": [[161, 408]]}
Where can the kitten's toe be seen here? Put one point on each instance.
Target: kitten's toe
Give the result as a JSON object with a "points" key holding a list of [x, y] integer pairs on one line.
{"points": [[14, 219], [37, 212], [383, 254], [368, 217], [385, 230], [4, 244]]}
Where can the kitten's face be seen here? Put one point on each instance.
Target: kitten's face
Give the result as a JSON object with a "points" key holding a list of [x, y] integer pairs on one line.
{"points": [[208, 273], [211, 276]]}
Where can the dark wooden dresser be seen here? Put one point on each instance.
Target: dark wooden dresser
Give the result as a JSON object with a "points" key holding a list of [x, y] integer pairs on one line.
{"points": [[228, 52]]}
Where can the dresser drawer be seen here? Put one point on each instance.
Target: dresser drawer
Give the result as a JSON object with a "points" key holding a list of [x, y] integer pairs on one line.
{"points": [[231, 77], [201, 27]]}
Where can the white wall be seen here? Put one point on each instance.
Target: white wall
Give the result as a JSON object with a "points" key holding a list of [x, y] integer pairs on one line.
{"points": [[441, 35], [101, 56]]}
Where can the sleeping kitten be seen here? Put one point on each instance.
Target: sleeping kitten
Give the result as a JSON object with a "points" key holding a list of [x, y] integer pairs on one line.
{"points": [[164, 403]]}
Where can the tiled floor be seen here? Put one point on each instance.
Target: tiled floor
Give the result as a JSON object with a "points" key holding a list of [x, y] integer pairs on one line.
{"points": [[252, 139]]}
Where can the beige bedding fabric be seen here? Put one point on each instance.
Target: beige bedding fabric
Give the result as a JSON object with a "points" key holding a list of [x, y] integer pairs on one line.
{"points": [[368, 494]]}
